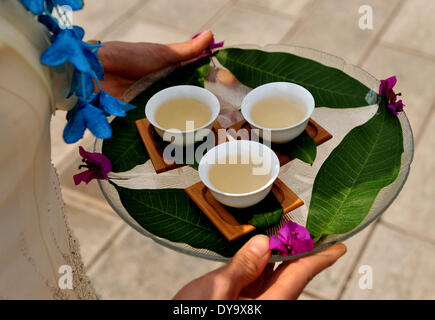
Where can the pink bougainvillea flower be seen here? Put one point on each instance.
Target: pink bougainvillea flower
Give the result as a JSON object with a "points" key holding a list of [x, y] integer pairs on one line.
{"points": [[209, 51], [386, 87], [98, 167], [396, 107], [292, 239]]}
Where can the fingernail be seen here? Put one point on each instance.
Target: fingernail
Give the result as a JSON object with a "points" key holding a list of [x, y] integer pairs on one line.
{"points": [[259, 245], [203, 33], [341, 248], [337, 249]]}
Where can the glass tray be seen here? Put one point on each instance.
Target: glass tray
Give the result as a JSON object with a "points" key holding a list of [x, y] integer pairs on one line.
{"points": [[295, 174]]}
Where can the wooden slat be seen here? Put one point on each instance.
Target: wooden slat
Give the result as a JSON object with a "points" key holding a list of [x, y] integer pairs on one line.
{"points": [[217, 213], [155, 153], [286, 197], [224, 220], [315, 130]]}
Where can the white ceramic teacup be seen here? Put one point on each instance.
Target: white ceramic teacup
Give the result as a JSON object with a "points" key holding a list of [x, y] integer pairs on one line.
{"points": [[182, 137], [258, 153], [279, 89]]}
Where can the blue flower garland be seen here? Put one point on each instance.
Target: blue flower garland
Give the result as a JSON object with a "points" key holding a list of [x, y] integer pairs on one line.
{"points": [[92, 108]]}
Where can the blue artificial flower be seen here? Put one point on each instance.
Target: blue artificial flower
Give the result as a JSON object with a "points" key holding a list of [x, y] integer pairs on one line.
{"points": [[79, 32], [34, 6], [50, 22], [38, 6], [66, 46], [85, 115], [82, 85], [91, 110], [76, 126], [92, 114], [53, 25], [93, 47], [92, 57], [111, 105]]}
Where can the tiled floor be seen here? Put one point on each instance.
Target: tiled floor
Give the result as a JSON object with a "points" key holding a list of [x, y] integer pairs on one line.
{"points": [[399, 248]]}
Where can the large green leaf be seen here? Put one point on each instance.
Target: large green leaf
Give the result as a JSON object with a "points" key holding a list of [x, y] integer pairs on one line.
{"points": [[125, 148], [368, 159], [330, 87], [303, 147], [170, 214]]}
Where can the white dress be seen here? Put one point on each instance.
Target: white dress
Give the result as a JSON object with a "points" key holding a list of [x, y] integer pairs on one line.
{"points": [[35, 241]]}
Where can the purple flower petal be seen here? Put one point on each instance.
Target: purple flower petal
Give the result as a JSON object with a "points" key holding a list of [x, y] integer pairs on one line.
{"points": [[387, 85], [299, 232], [218, 45], [211, 46], [85, 176], [302, 246], [98, 159], [302, 241], [393, 108], [83, 153], [399, 106], [386, 88], [396, 107], [276, 244], [98, 166], [285, 233], [292, 239]]}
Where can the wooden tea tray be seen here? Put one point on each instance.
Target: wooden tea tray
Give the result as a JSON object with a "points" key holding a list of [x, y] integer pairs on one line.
{"points": [[316, 131], [154, 151], [224, 220]]}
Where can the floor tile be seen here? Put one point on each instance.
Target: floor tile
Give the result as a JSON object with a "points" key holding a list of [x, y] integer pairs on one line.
{"points": [[186, 15], [413, 27], [414, 79], [97, 15], [135, 267], [292, 8], [413, 211], [333, 27], [402, 268], [329, 283], [140, 30], [245, 26], [92, 225]]}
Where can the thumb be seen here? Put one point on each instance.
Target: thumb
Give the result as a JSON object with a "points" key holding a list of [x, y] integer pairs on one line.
{"points": [[291, 277], [247, 264], [190, 49]]}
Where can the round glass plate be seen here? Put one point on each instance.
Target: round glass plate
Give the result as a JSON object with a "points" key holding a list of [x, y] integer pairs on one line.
{"points": [[296, 174]]}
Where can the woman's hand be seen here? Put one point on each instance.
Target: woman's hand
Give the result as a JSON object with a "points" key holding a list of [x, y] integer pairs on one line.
{"points": [[249, 275], [124, 62]]}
